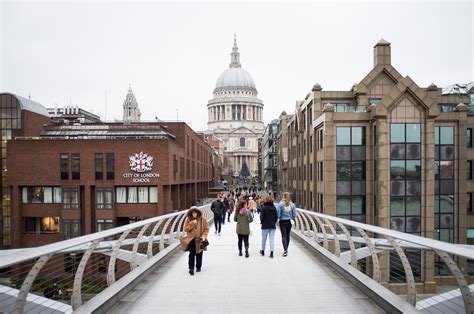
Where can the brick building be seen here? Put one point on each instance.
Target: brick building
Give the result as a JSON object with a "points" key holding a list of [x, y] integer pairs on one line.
{"points": [[69, 180]]}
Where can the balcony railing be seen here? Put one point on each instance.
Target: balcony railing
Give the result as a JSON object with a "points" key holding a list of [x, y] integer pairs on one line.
{"points": [[382, 254], [67, 275]]}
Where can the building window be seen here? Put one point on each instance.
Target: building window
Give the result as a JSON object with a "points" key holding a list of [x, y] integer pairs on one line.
{"points": [[242, 142], [75, 166], [133, 194], [104, 224], [405, 177], [350, 173], [110, 166], [70, 228], [175, 167], [64, 166], [444, 189], [374, 101], [469, 138], [41, 195], [320, 202], [321, 177], [469, 203], [321, 139], [70, 198], [42, 225], [99, 166], [104, 198], [469, 170], [181, 168]]}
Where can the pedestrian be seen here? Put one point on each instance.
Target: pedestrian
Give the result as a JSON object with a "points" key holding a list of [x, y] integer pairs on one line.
{"points": [[226, 204], [230, 208], [286, 212], [268, 219], [218, 208], [243, 218], [251, 205], [197, 229]]}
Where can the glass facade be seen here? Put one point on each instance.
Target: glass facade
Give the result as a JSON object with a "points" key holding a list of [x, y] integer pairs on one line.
{"points": [[10, 119], [444, 183], [350, 165], [405, 194], [405, 178]]}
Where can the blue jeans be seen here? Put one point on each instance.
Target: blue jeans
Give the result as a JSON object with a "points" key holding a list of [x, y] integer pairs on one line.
{"points": [[271, 234]]}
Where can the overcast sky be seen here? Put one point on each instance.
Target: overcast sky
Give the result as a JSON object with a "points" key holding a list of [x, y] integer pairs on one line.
{"points": [[172, 54]]}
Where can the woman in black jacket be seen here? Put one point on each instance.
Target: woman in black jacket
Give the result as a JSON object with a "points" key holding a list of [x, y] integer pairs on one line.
{"points": [[268, 218]]}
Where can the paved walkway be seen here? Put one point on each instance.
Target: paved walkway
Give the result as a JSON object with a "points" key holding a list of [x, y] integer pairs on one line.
{"points": [[229, 283]]}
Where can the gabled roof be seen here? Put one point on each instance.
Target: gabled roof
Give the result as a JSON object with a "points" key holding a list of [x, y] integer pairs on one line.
{"points": [[388, 69], [406, 85]]}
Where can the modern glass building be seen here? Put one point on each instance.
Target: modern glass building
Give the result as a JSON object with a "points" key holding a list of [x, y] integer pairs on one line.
{"points": [[270, 155]]}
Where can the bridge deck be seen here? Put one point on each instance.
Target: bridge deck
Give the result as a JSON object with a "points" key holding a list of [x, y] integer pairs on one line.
{"points": [[229, 283]]}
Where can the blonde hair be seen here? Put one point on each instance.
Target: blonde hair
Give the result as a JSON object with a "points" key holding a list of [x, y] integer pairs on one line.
{"points": [[286, 198], [268, 199]]}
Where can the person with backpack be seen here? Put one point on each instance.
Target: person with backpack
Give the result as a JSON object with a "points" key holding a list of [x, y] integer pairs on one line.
{"points": [[243, 217], [218, 209], [286, 212], [268, 219]]}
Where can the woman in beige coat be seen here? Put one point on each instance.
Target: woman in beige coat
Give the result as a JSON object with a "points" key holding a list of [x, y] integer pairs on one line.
{"points": [[197, 230]]}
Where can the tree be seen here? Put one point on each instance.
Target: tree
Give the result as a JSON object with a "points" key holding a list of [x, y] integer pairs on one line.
{"points": [[244, 172]]}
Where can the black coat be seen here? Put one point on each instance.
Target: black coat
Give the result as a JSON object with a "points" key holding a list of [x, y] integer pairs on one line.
{"points": [[218, 208], [268, 216]]}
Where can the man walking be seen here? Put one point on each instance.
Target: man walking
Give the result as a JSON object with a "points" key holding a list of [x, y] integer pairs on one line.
{"points": [[218, 208]]}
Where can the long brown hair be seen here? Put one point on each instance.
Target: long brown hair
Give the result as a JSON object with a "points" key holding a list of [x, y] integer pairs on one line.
{"points": [[241, 204], [286, 198]]}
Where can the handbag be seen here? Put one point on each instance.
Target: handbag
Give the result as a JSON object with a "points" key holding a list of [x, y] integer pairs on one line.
{"points": [[204, 244]]}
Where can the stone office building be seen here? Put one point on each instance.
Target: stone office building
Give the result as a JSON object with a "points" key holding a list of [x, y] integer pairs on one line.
{"points": [[69, 180], [389, 153]]}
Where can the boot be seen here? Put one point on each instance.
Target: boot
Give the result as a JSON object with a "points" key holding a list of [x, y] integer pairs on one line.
{"points": [[240, 252], [191, 272], [262, 252], [271, 254], [247, 253]]}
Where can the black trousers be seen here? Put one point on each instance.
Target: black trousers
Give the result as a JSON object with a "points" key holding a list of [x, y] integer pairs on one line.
{"points": [[285, 229], [193, 257], [245, 238], [218, 223]]}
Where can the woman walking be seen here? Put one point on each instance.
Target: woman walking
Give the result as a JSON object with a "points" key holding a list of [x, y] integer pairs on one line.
{"points": [[268, 219], [286, 212], [197, 230], [243, 217]]}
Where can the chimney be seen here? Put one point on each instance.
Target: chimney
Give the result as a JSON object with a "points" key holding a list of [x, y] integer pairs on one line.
{"points": [[382, 53]]}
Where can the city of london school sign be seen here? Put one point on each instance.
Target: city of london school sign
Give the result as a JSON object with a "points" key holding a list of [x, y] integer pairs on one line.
{"points": [[141, 166]]}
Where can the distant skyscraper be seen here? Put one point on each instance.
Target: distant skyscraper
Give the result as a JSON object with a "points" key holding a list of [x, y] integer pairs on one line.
{"points": [[131, 112], [236, 116]]}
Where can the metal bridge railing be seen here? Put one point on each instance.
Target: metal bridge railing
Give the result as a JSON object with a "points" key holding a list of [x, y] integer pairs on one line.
{"points": [[61, 277], [432, 274]]}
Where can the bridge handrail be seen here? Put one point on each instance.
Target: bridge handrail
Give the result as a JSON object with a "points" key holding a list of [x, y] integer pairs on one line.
{"points": [[425, 242], [31, 253]]}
